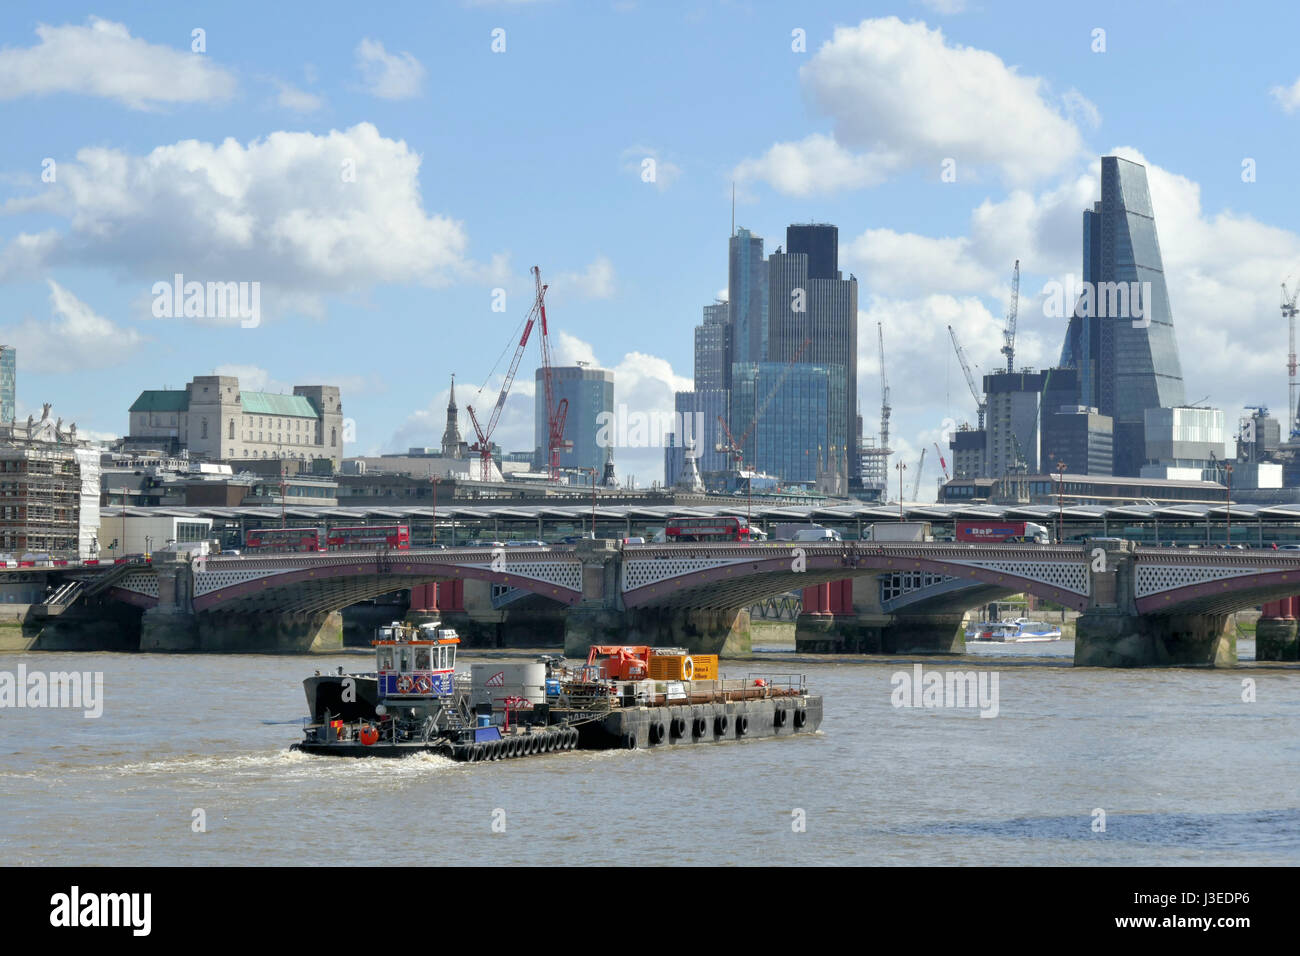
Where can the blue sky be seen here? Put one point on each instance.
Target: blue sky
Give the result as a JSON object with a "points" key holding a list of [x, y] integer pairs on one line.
{"points": [[471, 166]]}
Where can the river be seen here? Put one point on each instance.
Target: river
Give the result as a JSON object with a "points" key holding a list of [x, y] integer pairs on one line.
{"points": [[1185, 770]]}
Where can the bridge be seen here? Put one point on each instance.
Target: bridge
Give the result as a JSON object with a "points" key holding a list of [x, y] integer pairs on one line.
{"points": [[1139, 606]]}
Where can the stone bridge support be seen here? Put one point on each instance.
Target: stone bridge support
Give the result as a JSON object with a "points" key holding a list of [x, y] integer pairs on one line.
{"points": [[1110, 633], [1277, 635], [845, 617]]}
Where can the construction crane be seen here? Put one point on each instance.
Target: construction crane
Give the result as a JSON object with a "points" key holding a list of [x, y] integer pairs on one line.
{"points": [[1009, 333], [943, 465], [1288, 313], [484, 443], [916, 482], [980, 404], [555, 413]]}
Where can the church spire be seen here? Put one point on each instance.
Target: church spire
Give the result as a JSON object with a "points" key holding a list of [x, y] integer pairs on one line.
{"points": [[453, 446]]}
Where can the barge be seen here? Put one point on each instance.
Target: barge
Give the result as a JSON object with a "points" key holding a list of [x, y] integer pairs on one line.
{"points": [[627, 697]]}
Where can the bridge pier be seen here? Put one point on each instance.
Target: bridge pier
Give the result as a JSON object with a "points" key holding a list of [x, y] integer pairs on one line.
{"points": [[924, 634], [270, 633], [171, 624], [1110, 637], [1277, 635]]}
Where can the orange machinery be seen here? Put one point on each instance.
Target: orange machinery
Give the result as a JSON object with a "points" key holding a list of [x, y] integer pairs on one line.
{"points": [[620, 661]]}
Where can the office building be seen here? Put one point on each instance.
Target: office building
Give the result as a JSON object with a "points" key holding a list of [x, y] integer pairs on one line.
{"points": [[814, 317], [713, 348], [1120, 335], [801, 435], [49, 485], [214, 419], [1012, 422], [1081, 438], [590, 393], [968, 446], [696, 431], [747, 297], [1185, 444]]}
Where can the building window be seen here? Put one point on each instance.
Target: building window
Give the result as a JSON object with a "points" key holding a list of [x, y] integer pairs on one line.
{"points": [[334, 437], [232, 428], [203, 423]]}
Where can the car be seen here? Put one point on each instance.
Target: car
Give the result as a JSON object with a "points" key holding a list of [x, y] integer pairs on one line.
{"points": [[1288, 547], [232, 553], [530, 543]]}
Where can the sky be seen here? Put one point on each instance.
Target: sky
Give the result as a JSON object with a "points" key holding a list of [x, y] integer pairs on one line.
{"points": [[388, 174]]}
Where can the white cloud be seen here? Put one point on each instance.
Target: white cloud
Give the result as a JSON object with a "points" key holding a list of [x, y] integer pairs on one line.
{"points": [[304, 214], [899, 263], [387, 75], [101, 58], [300, 101], [816, 164], [900, 96], [665, 172], [1288, 97], [595, 282], [74, 338]]}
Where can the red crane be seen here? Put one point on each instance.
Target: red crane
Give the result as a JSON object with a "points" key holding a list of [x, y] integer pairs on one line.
{"points": [[554, 416]]}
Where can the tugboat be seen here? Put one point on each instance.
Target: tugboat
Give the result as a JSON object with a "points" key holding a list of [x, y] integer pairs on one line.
{"points": [[411, 704], [626, 697]]}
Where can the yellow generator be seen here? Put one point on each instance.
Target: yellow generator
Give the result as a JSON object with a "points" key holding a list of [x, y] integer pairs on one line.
{"points": [[683, 666]]}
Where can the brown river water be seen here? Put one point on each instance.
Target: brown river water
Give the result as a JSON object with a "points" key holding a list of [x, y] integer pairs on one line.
{"points": [[1185, 770]]}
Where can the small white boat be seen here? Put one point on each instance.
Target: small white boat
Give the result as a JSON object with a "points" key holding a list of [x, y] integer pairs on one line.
{"points": [[1020, 631]]}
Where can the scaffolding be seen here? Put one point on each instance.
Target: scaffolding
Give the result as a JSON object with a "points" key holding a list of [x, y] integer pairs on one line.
{"points": [[42, 489]]}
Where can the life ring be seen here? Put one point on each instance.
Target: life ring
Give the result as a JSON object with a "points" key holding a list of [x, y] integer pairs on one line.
{"points": [[688, 668], [404, 684], [424, 684]]}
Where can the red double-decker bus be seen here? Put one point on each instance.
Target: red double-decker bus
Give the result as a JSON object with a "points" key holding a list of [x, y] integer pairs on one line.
{"points": [[284, 540], [396, 536], [706, 529]]}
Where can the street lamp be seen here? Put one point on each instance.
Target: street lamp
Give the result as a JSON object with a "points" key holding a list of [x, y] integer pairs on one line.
{"points": [[1060, 502], [902, 467]]}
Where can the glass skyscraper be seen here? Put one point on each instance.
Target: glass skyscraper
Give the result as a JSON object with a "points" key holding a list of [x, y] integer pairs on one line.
{"points": [[747, 297], [8, 383], [1127, 362], [713, 348], [802, 430], [590, 392], [809, 302]]}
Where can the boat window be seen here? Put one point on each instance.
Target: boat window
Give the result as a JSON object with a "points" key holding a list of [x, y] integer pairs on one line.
{"points": [[385, 658], [405, 660], [449, 659], [422, 659]]}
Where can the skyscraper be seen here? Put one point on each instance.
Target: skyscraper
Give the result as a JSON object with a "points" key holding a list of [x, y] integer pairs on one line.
{"points": [[1121, 332], [820, 243], [802, 430], [8, 383], [713, 348], [821, 310], [590, 392], [747, 298]]}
